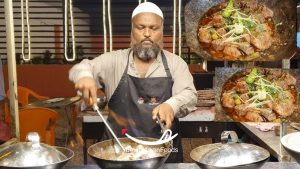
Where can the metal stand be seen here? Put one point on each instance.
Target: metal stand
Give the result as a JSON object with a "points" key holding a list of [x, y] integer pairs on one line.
{"points": [[11, 60], [286, 64], [284, 156], [243, 64]]}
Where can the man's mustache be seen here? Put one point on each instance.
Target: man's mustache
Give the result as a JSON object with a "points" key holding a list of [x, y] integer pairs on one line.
{"points": [[147, 39]]}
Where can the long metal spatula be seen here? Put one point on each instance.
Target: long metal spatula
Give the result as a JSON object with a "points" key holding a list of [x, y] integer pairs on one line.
{"points": [[96, 108]]}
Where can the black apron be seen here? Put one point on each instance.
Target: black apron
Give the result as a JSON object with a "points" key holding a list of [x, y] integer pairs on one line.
{"points": [[132, 103]]}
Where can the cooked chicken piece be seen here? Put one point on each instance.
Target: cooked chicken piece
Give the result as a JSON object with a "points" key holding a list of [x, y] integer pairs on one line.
{"points": [[285, 81], [247, 37], [244, 96], [289, 79], [250, 5], [254, 116], [227, 99], [246, 48], [267, 12], [218, 20], [221, 31], [241, 109], [284, 109], [285, 106], [269, 116], [274, 74], [258, 17], [270, 105], [263, 37], [241, 86], [217, 45], [204, 35], [232, 51]]}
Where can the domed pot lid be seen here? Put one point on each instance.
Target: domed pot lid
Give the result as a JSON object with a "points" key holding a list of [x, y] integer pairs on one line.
{"points": [[30, 154], [229, 154]]}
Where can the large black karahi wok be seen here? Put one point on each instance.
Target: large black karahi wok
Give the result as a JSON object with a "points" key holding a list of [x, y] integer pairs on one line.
{"points": [[103, 154], [284, 18]]}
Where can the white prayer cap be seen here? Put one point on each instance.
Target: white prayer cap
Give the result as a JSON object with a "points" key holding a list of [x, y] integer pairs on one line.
{"points": [[147, 7]]}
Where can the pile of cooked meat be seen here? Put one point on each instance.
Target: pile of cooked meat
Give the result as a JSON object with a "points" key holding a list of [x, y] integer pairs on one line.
{"points": [[237, 30], [260, 95]]}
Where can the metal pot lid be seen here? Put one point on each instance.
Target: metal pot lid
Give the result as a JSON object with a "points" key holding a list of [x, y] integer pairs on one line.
{"points": [[30, 154], [229, 154]]}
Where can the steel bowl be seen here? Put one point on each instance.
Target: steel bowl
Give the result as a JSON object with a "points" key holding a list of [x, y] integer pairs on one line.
{"points": [[32, 155], [103, 154], [291, 144], [231, 155]]}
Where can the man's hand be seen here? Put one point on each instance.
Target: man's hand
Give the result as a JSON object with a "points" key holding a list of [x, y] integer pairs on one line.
{"points": [[165, 113], [88, 88]]}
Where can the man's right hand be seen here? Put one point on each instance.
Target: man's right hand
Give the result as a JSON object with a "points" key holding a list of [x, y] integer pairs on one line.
{"points": [[87, 86]]}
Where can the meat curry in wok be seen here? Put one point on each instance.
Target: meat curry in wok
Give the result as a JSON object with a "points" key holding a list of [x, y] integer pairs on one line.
{"points": [[237, 30], [260, 95]]}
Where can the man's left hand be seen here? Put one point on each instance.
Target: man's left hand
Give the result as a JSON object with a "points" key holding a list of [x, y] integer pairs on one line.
{"points": [[165, 113]]}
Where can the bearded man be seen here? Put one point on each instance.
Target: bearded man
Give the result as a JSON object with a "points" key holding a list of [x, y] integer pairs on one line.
{"points": [[142, 83]]}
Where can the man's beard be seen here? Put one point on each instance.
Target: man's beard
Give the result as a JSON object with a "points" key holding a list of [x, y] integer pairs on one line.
{"points": [[145, 53]]}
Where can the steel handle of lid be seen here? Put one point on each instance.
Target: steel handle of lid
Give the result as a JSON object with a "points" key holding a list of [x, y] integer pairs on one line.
{"points": [[34, 138], [232, 134]]}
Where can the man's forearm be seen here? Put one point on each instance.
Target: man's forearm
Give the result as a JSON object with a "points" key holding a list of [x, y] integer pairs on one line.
{"points": [[80, 70]]}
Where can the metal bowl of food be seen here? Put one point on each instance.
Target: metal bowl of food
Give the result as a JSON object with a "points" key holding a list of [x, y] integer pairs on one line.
{"points": [[241, 29], [32, 154], [261, 95], [292, 145], [141, 156], [229, 155]]}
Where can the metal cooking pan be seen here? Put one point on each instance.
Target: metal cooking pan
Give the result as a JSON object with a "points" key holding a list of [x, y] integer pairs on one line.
{"points": [[284, 17], [104, 155], [231, 155], [34, 155]]}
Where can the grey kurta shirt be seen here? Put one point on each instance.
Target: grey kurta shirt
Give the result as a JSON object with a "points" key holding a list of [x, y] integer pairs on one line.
{"points": [[110, 67]]}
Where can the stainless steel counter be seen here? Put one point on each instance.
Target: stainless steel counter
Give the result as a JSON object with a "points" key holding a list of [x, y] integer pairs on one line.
{"points": [[267, 139], [268, 165]]}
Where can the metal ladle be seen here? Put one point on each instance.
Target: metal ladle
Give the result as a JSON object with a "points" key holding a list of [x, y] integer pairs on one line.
{"points": [[96, 108]]}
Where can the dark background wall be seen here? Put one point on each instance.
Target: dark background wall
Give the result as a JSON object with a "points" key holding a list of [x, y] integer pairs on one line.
{"points": [[47, 26]]}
